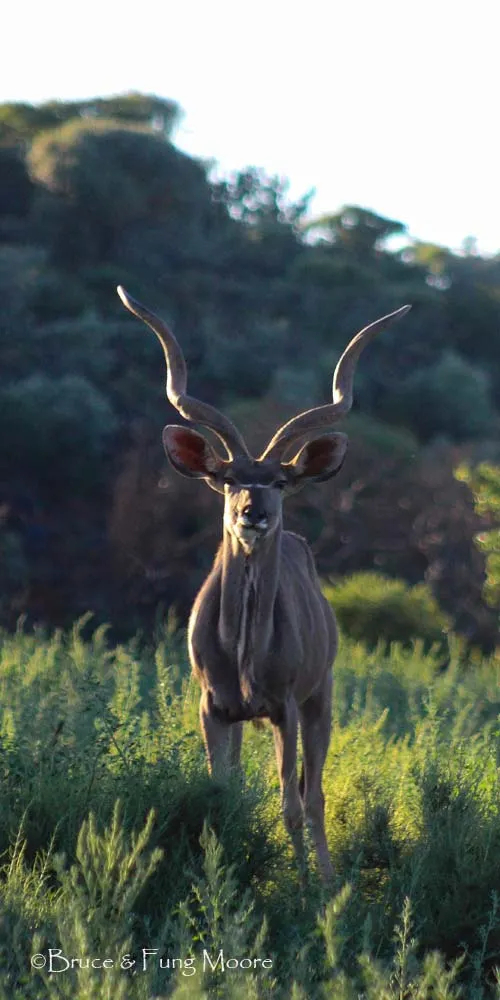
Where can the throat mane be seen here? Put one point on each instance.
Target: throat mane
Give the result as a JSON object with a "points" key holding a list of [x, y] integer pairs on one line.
{"points": [[245, 647]]}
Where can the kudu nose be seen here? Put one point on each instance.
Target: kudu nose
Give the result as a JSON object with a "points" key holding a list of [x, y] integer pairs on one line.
{"points": [[253, 514]]}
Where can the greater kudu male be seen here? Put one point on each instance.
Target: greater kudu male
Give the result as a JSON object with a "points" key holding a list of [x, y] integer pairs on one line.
{"points": [[262, 638]]}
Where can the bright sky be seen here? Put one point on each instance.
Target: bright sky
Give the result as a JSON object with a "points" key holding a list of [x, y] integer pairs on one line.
{"points": [[388, 104]]}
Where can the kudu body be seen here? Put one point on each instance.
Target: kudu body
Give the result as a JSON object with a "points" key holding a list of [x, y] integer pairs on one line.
{"points": [[262, 638]]}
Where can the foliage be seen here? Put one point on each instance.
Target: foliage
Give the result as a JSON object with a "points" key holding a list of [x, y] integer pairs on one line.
{"points": [[16, 188], [451, 398], [357, 230], [114, 840], [263, 300], [20, 122], [48, 420], [15, 570], [102, 177], [255, 199], [484, 481], [375, 610]]}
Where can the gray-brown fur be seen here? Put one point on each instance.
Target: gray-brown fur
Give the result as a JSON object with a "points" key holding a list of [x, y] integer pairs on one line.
{"points": [[262, 638], [283, 648]]}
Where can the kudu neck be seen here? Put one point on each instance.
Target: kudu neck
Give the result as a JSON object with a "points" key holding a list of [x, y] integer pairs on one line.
{"points": [[262, 566]]}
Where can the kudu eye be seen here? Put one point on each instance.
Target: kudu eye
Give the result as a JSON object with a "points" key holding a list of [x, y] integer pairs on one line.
{"points": [[229, 481]]}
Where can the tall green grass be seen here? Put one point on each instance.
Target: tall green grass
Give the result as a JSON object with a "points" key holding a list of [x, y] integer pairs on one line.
{"points": [[114, 840]]}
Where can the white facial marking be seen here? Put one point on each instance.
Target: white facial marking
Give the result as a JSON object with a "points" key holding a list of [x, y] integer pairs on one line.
{"points": [[255, 486]]}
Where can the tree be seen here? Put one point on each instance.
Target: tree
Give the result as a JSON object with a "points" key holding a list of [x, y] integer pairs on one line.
{"points": [[157, 113], [263, 302], [58, 428], [451, 398], [21, 122], [357, 231], [434, 260], [16, 187], [102, 177], [484, 481], [255, 198]]}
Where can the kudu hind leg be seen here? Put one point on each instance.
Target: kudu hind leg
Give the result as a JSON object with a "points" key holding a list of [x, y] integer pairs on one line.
{"points": [[217, 740], [315, 722], [285, 742], [235, 739]]}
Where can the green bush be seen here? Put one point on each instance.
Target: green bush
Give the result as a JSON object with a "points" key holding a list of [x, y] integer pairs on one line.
{"points": [[372, 608], [450, 398], [58, 427], [53, 296], [113, 838]]}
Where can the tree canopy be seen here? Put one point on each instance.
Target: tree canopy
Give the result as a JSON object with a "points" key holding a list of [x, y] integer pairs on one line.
{"points": [[263, 299]]}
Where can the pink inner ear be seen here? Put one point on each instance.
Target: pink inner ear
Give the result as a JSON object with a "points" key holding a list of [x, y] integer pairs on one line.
{"points": [[189, 449], [319, 454]]}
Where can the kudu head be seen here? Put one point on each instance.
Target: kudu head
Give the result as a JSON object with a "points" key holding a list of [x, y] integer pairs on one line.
{"points": [[254, 488]]}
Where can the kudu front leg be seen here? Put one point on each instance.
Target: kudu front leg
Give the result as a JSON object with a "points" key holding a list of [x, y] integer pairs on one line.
{"points": [[222, 740], [285, 742], [316, 721]]}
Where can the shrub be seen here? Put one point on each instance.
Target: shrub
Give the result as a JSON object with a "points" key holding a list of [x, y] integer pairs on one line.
{"points": [[451, 398], [370, 607], [57, 427], [183, 863]]}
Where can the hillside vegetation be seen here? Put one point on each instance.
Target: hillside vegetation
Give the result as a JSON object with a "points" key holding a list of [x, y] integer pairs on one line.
{"points": [[263, 300], [114, 840]]}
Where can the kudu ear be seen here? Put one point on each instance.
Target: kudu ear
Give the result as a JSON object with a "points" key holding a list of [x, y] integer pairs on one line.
{"points": [[191, 455], [318, 460]]}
